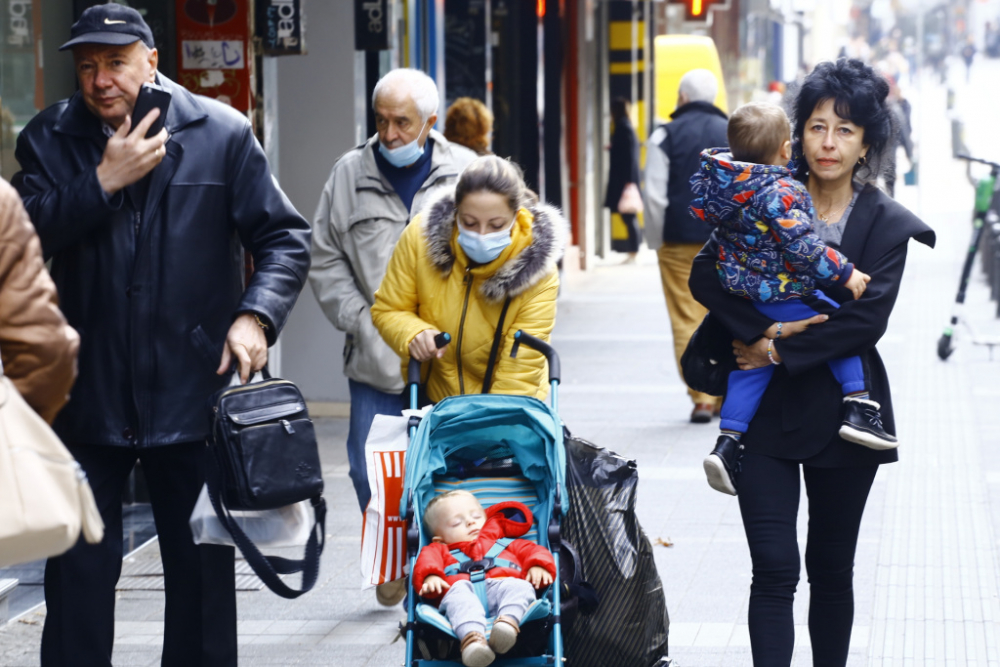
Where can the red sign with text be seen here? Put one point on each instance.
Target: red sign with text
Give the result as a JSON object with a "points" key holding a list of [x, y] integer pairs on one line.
{"points": [[213, 42]]}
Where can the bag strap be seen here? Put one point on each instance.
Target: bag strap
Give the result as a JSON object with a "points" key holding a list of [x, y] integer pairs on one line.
{"points": [[269, 567], [495, 350]]}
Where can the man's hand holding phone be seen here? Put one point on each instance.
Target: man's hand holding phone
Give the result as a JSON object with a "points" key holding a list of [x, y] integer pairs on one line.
{"points": [[130, 155]]}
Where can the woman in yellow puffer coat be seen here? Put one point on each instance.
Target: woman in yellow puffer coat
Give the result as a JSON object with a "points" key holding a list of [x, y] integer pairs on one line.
{"points": [[456, 264]]}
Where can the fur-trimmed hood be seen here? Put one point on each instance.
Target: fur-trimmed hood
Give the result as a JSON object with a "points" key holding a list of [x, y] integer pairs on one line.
{"points": [[549, 235]]}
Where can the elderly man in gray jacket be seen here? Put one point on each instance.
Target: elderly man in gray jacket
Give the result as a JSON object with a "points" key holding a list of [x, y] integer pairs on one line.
{"points": [[372, 193]]}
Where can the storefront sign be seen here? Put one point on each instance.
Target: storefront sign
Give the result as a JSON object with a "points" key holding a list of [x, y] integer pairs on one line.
{"points": [[212, 41], [18, 15], [281, 26], [371, 25]]}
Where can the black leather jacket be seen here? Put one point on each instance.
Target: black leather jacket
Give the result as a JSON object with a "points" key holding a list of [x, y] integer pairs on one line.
{"points": [[154, 292]]}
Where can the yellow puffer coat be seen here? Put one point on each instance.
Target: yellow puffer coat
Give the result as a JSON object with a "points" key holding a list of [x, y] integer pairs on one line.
{"points": [[430, 284]]}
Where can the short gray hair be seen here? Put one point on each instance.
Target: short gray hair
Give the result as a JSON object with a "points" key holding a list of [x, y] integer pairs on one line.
{"points": [[420, 88], [700, 85]]}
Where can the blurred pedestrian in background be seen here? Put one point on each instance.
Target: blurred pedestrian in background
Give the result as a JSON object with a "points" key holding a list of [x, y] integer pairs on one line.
{"points": [[673, 155], [141, 232], [372, 194], [623, 174], [469, 123], [38, 347], [968, 55], [902, 136], [794, 435]]}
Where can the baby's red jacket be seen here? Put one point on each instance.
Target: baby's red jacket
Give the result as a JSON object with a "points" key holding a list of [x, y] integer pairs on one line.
{"points": [[506, 519]]}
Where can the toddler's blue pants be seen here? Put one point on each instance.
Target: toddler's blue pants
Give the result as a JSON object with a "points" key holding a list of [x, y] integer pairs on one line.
{"points": [[746, 388]]}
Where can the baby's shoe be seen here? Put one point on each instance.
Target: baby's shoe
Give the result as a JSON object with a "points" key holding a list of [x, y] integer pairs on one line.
{"points": [[504, 634], [863, 425], [723, 463], [475, 651]]}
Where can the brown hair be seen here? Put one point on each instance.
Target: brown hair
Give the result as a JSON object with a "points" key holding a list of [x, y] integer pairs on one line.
{"points": [[430, 512], [756, 132], [490, 173], [469, 123]]}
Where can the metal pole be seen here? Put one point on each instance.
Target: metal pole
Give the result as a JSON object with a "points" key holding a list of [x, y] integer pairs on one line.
{"points": [[920, 96]]}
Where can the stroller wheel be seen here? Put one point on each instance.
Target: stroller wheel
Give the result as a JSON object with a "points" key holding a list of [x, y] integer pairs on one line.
{"points": [[944, 347]]}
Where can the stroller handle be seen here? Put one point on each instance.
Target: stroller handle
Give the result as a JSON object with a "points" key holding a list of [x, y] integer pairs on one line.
{"points": [[413, 368], [543, 347]]}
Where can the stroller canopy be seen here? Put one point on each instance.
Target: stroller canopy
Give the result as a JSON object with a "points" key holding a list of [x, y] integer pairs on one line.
{"points": [[483, 426]]}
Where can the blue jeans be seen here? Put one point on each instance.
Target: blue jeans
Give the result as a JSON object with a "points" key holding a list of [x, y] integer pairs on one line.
{"points": [[745, 389], [366, 402]]}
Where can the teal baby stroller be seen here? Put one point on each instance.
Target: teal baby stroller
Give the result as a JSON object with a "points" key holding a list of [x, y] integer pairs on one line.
{"points": [[498, 447]]}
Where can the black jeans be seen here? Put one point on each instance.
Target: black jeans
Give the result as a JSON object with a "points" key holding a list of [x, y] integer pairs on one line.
{"points": [[200, 614], [769, 503]]}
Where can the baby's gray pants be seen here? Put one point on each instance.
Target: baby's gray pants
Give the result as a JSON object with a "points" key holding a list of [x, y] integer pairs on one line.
{"points": [[506, 596]]}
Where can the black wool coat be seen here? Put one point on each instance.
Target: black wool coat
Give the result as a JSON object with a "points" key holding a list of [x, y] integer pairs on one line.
{"points": [[153, 292], [623, 162], [800, 414]]}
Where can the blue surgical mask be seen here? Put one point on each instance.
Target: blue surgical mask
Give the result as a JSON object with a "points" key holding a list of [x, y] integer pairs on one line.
{"points": [[483, 248], [405, 155]]}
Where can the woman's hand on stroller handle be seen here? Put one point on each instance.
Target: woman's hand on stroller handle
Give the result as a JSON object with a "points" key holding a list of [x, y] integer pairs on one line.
{"points": [[428, 344], [434, 586], [538, 576]]}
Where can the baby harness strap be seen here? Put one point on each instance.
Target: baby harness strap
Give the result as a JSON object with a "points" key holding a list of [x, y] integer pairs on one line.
{"points": [[477, 569]]}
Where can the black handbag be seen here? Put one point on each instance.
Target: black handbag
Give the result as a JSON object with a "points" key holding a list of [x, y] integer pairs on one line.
{"points": [[265, 456], [708, 358]]}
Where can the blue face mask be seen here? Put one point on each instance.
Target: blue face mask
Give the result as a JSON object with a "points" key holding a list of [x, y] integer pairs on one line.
{"points": [[405, 155], [483, 248]]}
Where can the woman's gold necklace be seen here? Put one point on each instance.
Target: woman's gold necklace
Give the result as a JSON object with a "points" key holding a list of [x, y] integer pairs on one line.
{"points": [[825, 217]]}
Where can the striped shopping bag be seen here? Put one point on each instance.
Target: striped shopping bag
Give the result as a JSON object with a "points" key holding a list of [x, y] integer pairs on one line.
{"points": [[383, 539]]}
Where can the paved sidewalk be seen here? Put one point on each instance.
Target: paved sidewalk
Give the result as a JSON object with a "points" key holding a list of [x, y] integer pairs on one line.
{"points": [[927, 567]]}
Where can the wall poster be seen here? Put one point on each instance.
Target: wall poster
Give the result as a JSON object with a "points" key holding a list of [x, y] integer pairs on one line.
{"points": [[213, 56]]}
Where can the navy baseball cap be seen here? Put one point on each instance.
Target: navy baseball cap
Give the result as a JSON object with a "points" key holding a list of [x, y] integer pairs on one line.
{"points": [[109, 24]]}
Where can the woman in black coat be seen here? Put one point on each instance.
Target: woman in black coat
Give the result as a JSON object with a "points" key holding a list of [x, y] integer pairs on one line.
{"points": [[843, 125], [623, 170]]}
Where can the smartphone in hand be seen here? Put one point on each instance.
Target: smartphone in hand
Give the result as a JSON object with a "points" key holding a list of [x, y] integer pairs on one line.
{"points": [[151, 96]]}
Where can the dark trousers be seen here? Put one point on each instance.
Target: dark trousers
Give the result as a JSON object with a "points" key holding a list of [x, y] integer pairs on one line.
{"points": [[630, 242], [769, 503], [200, 616], [366, 402]]}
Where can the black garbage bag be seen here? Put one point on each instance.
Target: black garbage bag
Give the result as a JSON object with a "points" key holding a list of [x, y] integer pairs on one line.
{"points": [[630, 624]]}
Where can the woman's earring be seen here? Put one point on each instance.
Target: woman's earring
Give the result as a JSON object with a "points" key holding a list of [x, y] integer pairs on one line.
{"points": [[862, 161]]}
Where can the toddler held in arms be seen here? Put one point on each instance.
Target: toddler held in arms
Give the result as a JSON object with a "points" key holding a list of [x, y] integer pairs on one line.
{"points": [[770, 253], [472, 545]]}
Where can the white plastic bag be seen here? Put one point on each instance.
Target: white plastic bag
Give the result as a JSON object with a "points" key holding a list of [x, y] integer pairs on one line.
{"points": [[383, 540], [284, 527]]}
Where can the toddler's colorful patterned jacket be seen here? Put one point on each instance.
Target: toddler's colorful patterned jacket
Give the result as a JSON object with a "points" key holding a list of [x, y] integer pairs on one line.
{"points": [[768, 250]]}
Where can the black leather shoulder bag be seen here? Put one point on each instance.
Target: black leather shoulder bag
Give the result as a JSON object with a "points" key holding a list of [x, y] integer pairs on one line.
{"points": [[708, 359], [266, 456]]}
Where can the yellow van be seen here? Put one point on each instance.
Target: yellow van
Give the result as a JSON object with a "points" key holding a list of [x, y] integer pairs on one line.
{"points": [[674, 56]]}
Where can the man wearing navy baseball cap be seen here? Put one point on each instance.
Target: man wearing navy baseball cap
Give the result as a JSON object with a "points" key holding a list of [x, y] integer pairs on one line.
{"points": [[143, 234]]}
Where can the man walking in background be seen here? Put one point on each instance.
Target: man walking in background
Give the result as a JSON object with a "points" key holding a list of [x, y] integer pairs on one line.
{"points": [[672, 157], [372, 193]]}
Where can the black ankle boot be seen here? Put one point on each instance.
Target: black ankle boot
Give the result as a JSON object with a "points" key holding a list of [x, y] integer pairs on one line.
{"points": [[723, 463], [863, 425]]}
